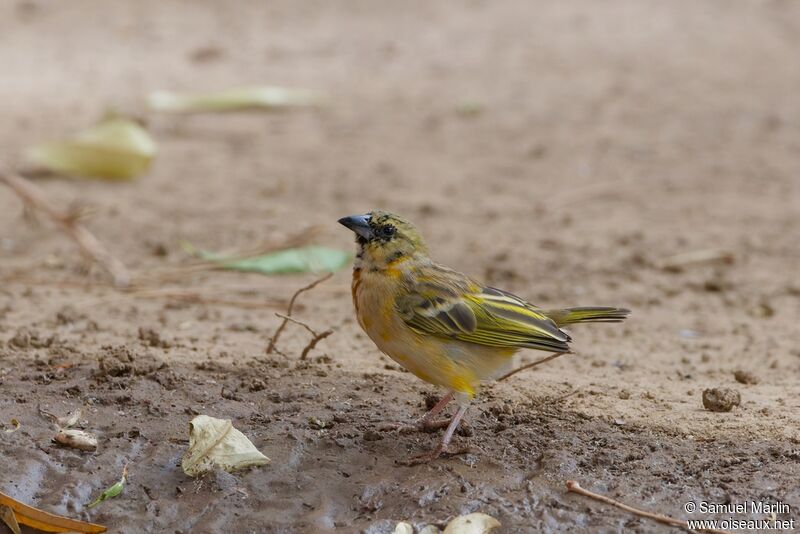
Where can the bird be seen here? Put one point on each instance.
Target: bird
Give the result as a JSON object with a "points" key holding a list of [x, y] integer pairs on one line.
{"points": [[445, 327]]}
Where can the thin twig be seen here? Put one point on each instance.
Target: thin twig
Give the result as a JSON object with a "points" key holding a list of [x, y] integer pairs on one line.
{"points": [[313, 343], [299, 323], [532, 364], [312, 285], [574, 487], [33, 196], [317, 337]]}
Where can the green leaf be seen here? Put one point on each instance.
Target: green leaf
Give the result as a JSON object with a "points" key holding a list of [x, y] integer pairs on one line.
{"points": [[310, 259], [111, 491], [116, 149], [265, 97]]}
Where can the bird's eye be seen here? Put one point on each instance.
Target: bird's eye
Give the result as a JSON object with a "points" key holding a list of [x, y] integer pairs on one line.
{"points": [[388, 231]]}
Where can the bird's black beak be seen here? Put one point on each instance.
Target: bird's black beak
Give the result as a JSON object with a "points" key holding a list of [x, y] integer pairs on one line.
{"points": [[359, 224]]}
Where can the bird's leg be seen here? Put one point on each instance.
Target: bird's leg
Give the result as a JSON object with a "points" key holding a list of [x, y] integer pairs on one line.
{"points": [[451, 428], [426, 422], [448, 435]]}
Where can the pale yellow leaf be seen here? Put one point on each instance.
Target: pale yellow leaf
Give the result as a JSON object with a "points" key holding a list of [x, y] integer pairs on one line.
{"points": [[117, 149], [77, 439], [475, 523], [264, 97], [215, 443]]}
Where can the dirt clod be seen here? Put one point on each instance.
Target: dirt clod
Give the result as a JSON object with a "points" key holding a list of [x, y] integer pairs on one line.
{"points": [[372, 435], [430, 400], [745, 377], [116, 361], [152, 338], [119, 360], [68, 315], [26, 338], [721, 399]]}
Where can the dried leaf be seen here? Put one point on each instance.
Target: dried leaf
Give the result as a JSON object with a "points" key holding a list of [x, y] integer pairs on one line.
{"points": [[47, 522], [69, 420], [53, 418], [77, 439], [310, 259], [475, 523], [8, 517], [111, 491], [266, 98], [116, 149], [215, 443], [15, 424]]}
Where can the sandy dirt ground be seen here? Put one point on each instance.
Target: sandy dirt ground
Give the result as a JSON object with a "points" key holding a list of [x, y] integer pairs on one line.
{"points": [[560, 150]]}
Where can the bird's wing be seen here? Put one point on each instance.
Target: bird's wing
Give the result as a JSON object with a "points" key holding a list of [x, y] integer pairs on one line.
{"points": [[447, 304]]}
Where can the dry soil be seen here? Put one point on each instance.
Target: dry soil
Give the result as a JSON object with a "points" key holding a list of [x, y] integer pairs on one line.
{"points": [[565, 151]]}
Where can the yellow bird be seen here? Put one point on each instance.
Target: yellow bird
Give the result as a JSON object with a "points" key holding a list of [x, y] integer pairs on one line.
{"points": [[441, 325]]}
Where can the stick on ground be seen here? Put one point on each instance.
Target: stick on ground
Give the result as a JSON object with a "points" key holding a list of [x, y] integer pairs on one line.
{"points": [[574, 487], [89, 244], [313, 343], [532, 364], [286, 318], [316, 336]]}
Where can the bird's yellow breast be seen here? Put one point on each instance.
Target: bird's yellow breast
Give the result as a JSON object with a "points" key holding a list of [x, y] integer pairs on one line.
{"points": [[452, 364]]}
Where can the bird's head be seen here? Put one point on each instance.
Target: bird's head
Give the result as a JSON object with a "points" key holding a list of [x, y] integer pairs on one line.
{"points": [[384, 238]]}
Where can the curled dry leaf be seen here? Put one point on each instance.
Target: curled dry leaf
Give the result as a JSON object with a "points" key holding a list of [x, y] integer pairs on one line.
{"points": [[215, 443], [475, 523], [14, 426], [8, 517], [41, 520], [266, 98], [69, 420], [77, 439], [117, 149], [53, 418]]}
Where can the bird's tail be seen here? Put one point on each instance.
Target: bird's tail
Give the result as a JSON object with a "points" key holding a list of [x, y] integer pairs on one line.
{"points": [[588, 314]]}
